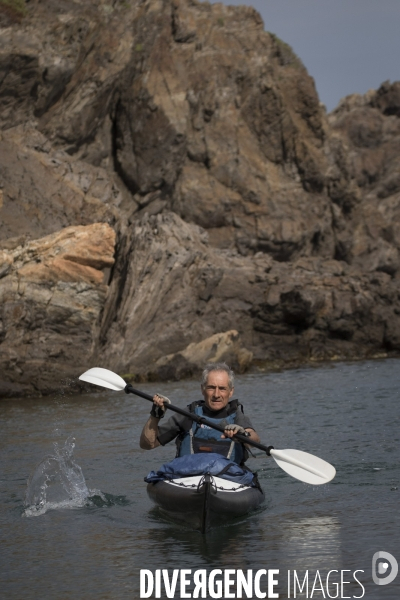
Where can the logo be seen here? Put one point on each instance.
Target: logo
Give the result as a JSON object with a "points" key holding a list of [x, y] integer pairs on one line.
{"points": [[384, 563]]}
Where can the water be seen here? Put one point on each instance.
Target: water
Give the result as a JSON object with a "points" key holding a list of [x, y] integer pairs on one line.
{"points": [[90, 527], [57, 482]]}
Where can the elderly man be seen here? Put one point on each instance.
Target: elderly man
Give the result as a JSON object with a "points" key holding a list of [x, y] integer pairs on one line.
{"points": [[191, 438]]}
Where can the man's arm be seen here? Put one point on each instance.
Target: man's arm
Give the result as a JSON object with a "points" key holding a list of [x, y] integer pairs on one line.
{"points": [[148, 437], [254, 437]]}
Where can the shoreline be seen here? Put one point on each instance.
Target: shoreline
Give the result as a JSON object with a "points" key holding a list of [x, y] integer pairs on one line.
{"points": [[74, 388]]}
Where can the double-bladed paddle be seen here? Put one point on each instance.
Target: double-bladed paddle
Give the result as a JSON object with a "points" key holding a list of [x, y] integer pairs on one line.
{"points": [[298, 464]]}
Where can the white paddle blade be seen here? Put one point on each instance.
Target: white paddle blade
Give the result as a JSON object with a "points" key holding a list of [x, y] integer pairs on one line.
{"points": [[304, 466], [104, 378]]}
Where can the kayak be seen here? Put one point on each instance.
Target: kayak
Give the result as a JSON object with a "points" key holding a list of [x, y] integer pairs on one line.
{"points": [[203, 501]]}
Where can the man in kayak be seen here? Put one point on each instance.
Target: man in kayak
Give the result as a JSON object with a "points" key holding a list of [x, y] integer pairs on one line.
{"points": [[217, 389]]}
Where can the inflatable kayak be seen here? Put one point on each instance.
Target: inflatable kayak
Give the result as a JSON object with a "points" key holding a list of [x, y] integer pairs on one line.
{"points": [[203, 501]]}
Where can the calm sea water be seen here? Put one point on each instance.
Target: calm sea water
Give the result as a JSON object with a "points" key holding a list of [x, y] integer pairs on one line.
{"points": [[347, 414]]}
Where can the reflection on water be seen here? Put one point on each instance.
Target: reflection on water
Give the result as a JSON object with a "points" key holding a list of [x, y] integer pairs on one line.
{"points": [[307, 544], [218, 546], [312, 543]]}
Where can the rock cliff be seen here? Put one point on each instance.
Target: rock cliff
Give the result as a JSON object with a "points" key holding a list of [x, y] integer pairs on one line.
{"points": [[52, 291], [172, 190]]}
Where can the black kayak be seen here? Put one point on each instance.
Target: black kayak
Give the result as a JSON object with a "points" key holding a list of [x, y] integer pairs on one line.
{"points": [[203, 501]]}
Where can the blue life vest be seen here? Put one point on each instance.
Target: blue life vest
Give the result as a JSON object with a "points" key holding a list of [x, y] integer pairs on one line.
{"points": [[202, 438]]}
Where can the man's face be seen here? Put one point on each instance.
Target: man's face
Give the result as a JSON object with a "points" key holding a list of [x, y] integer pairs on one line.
{"points": [[216, 392]]}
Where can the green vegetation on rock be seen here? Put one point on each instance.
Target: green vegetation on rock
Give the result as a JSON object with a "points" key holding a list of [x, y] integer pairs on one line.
{"points": [[286, 54], [17, 7]]}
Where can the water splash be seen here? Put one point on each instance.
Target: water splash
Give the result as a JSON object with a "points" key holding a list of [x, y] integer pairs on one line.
{"points": [[57, 482]]}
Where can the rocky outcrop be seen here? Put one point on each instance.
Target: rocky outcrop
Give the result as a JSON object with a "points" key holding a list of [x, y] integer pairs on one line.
{"points": [[51, 294], [178, 288], [43, 189], [220, 347], [198, 140], [366, 143]]}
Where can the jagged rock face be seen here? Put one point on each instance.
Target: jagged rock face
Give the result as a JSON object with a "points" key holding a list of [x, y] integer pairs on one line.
{"points": [[366, 132], [43, 189], [225, 128], [51, 293], [196, 107], [178, 288], [237, 203]]}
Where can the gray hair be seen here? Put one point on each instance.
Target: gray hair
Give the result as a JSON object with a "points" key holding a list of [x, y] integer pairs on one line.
{"points": [[218, 367]]}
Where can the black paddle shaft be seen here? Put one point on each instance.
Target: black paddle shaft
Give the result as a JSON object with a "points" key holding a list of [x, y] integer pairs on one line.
{"points": [[200, 420]]}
